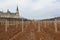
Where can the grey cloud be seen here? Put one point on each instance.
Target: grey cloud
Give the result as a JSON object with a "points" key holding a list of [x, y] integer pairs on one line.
{"points": [[45, 13], [57, 0], [35, 0]]}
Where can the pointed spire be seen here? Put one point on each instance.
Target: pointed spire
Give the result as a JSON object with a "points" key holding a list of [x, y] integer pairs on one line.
{"points": [[17, 8], [17, 12]]}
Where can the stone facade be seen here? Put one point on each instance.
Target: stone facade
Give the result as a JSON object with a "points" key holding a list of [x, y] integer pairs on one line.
{"points": [[8, 14]]}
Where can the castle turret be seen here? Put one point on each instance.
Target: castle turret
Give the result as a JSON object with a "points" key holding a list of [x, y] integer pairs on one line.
{"points": [[8, 11]]}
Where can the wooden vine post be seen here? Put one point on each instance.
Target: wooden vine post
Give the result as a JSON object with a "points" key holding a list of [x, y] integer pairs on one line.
{"points": [[38, 26], [55, 25], [6, 25], [22, 25]]}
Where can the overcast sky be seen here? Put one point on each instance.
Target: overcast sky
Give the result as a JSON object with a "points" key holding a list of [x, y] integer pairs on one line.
{"points": [[33, 9]]}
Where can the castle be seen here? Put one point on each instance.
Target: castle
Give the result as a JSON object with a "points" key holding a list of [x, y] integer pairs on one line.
{"points": [[8, 14]]}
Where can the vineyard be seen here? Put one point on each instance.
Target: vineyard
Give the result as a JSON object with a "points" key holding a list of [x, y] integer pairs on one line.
{"points": [[30, 30]]}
